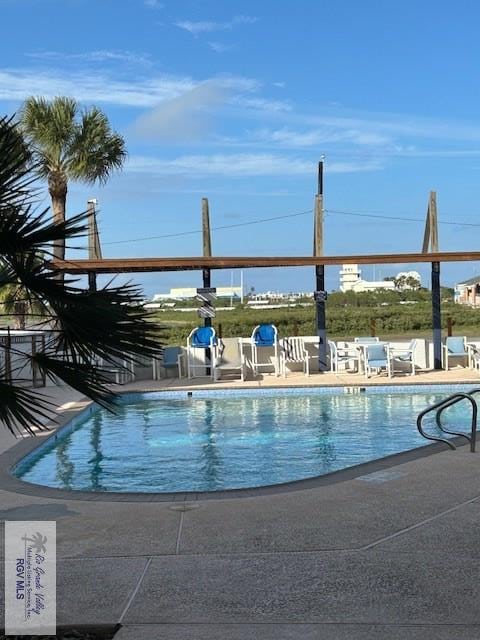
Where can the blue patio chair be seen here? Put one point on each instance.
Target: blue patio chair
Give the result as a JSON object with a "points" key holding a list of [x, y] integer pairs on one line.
{"points": [[171, 359], [199, 340], [456, 347], [377, 357], [265, 335]]}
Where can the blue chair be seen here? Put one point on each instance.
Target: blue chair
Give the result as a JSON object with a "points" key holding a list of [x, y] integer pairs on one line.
{"points": [[199, 340], [172, 358], [456, 347], [377, 357], [264, 335]]}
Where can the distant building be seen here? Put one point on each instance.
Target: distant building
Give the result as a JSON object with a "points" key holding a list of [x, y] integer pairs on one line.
{"points": [[351, 280], [189, 293], [468, 292]]}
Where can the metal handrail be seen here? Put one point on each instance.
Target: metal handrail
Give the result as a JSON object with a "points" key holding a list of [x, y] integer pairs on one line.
{"points": [[457, 397], [443, 404]]}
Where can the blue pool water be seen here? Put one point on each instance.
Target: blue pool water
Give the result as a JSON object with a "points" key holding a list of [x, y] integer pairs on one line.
{"points": [[165, 441]]}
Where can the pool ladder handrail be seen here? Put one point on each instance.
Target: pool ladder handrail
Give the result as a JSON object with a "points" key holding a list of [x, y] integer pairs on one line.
{"points": [[440, 406]]}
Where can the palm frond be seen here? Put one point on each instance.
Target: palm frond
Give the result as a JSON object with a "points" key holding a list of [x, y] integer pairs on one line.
{"points": [[23, 409], [96, 150]]}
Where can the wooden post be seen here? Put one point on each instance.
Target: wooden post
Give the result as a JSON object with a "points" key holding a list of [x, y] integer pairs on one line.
{"points": [[94, 249], [373, 327], [320, 275], [449, 326]]}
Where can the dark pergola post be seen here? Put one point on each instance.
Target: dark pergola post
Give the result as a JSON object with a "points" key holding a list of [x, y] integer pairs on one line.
{"points": [[206, 273], [320, 294], [436, 316]]}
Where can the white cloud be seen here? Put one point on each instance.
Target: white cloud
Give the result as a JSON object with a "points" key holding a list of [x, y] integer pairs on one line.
{"points": [[239, 165], [220, 47], [17, 84], [154, 4], [314, 137], [207, 26], [102, 55], [184, 118]]}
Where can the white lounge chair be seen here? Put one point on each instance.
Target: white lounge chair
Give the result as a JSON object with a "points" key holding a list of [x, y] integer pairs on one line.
{"points": [[405, 356], [343, 356], [229, 358], [294, 351]]}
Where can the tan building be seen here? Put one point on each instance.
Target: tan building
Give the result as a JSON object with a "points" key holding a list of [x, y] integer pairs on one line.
{"points": [[468, 292]]}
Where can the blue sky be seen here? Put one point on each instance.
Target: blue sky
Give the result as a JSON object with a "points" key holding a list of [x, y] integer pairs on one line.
{"points": [[236, 101]]}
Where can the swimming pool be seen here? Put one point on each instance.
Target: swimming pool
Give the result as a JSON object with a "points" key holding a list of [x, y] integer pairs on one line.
{"points": [[215, 440]]}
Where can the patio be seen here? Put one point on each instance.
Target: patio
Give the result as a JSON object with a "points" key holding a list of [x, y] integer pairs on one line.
{"points": [[389, 550]]}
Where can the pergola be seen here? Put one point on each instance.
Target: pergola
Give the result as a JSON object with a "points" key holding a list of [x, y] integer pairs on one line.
{"points": [[92, 267]]}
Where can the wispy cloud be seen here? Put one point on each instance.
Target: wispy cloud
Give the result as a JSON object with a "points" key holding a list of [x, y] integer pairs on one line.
{"points": [[220, 47], [314, 137], [101, 55], [206, 26], [240, 165], [185, 118], [154, 4], [17, 84]]}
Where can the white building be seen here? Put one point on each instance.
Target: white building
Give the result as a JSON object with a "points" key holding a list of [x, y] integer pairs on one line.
{"points": [[351, 280], [189, 293]]}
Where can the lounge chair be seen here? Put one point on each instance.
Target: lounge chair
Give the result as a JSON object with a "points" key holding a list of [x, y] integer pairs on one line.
{"points": [[456, 347], [294, 351], [264, 335], [172, 358], [377, 357], [405, 356], [343, 355], [199, 340], [229, 358]]}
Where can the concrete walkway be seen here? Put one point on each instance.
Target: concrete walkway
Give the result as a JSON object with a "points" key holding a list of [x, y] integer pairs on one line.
{"points": [[392, 554]]}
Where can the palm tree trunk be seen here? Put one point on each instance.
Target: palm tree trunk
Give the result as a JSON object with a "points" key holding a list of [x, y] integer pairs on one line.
{"points": [[57, 188]]}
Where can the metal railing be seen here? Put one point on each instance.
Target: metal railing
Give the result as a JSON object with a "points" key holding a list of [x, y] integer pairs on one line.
{"points": [[439, 407]]}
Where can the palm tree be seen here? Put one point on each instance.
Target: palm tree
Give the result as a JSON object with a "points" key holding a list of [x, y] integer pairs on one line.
{"points": [[83, 325], [69, 144]]}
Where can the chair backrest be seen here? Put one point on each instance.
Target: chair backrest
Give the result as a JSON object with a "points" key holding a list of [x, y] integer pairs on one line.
{"points": [[265, 335], [376, 352], [366, 340], [203, 337], [333, 347], [170, 356], [229, 352], [294, 349], [455, 344]]}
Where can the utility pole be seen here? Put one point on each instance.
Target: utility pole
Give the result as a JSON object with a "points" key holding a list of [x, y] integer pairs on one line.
{"points": [[320, 293]]}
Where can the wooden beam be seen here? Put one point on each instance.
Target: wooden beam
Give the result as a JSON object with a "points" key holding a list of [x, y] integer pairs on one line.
{"points": [[137, 265]]}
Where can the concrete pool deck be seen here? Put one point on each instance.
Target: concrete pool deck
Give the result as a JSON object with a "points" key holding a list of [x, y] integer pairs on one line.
{"points": [[390, 554]]}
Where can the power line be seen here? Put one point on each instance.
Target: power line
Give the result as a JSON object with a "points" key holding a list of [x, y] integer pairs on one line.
{"points": [[404, 219], [287, 216], [225, 226]]}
